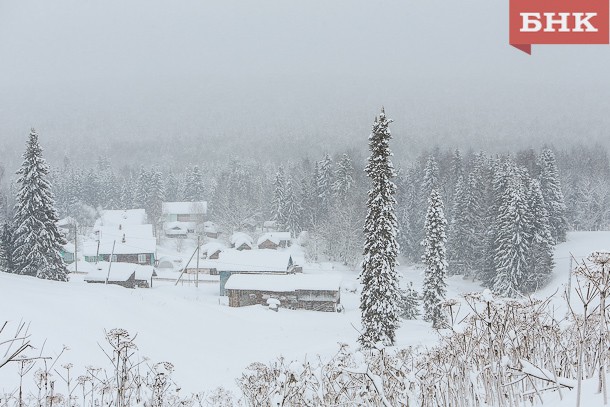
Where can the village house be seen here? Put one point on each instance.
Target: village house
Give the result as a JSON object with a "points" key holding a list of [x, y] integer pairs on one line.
{"points": [[128, 244], [124, 274], [294, 291], [273, 240], [211, 250], [210, 229], [241, 241], [67, 253], [121, 217], [182, 218], [233, 261]]}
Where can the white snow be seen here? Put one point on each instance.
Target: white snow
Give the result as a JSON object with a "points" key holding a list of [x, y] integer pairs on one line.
{"points": [[262, 260], [138, 239], [284, 283], [119, 271], [211, 344], [121, 217], [184, 208], [275, 237]]}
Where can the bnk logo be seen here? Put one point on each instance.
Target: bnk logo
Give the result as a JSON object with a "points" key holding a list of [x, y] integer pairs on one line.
{"points": [[558, 22]]}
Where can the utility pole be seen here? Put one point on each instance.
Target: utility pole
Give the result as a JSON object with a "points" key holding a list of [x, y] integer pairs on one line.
{"points": [[75, 248], [198, 247], [570, 279], [110, 263]]}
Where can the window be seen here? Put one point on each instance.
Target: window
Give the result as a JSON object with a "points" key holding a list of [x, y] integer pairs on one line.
{"points": [[113, 258], [141, 258]]}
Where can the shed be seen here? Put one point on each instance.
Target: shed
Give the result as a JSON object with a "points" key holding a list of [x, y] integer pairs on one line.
{"points": [[295, 291]]}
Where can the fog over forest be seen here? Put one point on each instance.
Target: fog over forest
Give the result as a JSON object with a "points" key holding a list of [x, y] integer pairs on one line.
{"points": [[147, 82]]}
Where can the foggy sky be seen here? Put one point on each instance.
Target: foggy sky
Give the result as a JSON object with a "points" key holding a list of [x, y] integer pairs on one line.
{"points": [[284, 78]]}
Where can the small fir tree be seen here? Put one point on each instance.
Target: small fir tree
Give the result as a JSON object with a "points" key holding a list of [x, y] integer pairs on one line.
{"points": [[409, 306], [435, 260], [37, 240], [380, 298]]}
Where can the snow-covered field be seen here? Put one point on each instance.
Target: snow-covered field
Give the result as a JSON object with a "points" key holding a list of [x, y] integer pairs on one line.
{"points": [[209, 343]]}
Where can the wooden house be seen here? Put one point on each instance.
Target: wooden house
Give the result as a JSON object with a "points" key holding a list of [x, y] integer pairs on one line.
{"points": [[232, 261], [124, 274], [127, 244], [210, 229], [241, 241], [67, 253], [294, 291], [212, 250], [273, 240], [182, 218]]}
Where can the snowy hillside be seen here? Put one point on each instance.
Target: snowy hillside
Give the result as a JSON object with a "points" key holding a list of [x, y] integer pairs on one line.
{"points": [[209, 343]]}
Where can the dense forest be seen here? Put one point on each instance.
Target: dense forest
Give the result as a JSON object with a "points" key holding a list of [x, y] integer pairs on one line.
{"points": [[326, 196]]}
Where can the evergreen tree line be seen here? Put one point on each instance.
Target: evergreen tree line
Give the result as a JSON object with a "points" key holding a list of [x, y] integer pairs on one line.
{"points": [[504, 215]]}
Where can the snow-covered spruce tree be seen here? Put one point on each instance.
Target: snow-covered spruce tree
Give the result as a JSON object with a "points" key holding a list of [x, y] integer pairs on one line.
{"points": [[380, 298], [459, 244], [344, 179], [279, 199], [409, 306], [325, 185], [553, 195], [513, 237], [541, 251], [6, 248], [292, 210], [434, 258], [194, 189], [37, 240]]}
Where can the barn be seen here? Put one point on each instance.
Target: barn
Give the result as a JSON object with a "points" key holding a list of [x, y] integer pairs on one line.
{"points": [[294, 291]]}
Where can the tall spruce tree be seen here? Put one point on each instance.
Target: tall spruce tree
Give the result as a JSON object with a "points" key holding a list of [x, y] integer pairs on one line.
{"points": [[552, 194], [541, 252], [37, 240], [344, 179], [279, 198], [434, 258], [381, 297], [514, 235]]}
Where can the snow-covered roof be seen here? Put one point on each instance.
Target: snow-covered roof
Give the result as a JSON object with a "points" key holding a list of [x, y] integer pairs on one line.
{"points": [[121, 217], [210, 227], [67, 221], [68, 247], [176, 228], [138, 239], [275, 237], [263, 260], [212, 247], [283, 283], [119, 272], [269, 224], [185, 208], [239, 238], [83, 267]]}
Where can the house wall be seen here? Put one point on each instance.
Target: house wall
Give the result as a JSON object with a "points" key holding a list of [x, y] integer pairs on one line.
{"points": [[128, 258], [244, 246], [312, 300], [268, 244]]}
